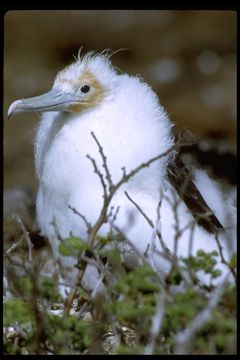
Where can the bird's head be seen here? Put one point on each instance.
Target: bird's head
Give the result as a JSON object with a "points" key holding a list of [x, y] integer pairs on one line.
{"points": [[81, 85]]}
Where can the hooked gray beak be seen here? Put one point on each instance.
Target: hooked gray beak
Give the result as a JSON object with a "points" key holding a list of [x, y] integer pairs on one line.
{"points": [[54, 100]]}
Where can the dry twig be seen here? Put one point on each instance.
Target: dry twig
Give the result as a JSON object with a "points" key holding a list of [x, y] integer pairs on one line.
{"points": [[185, 338], [156, 323], [26, 237]]}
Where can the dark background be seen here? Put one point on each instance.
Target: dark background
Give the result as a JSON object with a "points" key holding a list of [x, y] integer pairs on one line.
{"points": [[189, 58]]}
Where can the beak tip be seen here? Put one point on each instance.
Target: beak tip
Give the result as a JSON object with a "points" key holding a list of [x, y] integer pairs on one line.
{"points": [[12, 108], [9, 114]]}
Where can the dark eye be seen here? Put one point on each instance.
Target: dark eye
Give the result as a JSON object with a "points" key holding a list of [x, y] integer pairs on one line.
{"points": [[85, 88]]}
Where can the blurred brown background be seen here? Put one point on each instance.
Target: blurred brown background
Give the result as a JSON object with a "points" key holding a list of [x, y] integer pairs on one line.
{"points": [[189, 58]]}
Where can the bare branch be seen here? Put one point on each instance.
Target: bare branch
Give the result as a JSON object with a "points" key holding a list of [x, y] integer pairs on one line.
{"points": [[146, 164], [26, 236], [107, 197], [13, 246], [177, 233], [185, 338], [101, 220], [223, 260], [124, 171], [156, 323], [157, 233], [88, 224], [100, 175], [139, 209], [104, 158], [113, 188], [54, 224], [150, 222], [98, 285]]}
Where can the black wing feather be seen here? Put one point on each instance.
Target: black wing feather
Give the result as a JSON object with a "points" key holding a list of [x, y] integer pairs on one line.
{"points": [[182, 180]]}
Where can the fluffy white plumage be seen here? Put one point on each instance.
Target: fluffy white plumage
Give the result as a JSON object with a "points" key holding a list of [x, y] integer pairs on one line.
{"points": [[132, 127]]}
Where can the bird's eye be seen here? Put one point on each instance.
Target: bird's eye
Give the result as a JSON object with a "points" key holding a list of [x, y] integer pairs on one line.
{"points": [[85, 88]]}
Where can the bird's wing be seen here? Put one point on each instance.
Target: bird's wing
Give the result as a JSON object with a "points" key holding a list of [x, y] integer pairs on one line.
{"points": [[182, 180]]}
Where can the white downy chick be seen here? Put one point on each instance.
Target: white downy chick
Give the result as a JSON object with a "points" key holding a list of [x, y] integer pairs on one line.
{"points": [[132, 127]]}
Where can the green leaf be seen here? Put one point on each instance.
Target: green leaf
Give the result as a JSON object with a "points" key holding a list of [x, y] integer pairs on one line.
{"points": [[72, 246], [233, 261], [49, 290], [216, 273], [16, 310], [201, 252], [102, 239]]}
